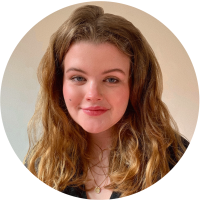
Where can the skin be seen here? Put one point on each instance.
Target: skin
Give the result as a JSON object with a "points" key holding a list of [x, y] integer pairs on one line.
{"points": [[94, 87], [96, 75]]}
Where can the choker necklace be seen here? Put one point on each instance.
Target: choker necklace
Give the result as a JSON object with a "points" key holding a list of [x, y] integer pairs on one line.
{"points": [[97, 189]]}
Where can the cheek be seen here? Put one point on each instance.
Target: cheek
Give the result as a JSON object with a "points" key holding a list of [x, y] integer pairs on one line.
{"points": [[121, 102], [72, 97], [121, 98]]}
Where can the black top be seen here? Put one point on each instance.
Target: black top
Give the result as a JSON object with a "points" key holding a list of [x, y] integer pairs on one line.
{"points": [[77, 192]]}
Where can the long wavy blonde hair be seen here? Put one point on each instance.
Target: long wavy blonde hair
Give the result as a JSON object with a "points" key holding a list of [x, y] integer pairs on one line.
{"points": [[145, 137]]}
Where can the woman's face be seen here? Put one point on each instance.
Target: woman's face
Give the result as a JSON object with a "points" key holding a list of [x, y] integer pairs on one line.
{"points": [[95, 85]]}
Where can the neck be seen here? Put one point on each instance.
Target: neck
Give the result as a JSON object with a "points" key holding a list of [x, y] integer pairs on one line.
{"points": [[99, 145], [99, 142]]}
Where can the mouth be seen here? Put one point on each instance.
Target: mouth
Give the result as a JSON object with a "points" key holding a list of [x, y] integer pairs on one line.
{"points": [[94, 111]]}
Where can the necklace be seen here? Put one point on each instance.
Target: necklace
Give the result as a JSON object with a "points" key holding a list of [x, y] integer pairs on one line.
{"points": [[96, 165], [97, 189]]}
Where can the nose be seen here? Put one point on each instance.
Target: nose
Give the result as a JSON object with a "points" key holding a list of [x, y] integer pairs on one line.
{"points": [[93, 92]]}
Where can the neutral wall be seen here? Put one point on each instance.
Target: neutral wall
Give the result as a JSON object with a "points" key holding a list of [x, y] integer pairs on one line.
{"points": [[20, 86]]}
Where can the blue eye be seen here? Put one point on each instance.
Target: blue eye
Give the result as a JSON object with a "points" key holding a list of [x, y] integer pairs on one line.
{"points": [[78, 79], [112, 80]]}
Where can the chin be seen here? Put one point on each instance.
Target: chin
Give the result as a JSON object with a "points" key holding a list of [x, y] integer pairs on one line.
{"points": [[93, 130]]}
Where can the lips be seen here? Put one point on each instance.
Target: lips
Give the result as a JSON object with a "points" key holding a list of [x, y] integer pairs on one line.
{"points": [[94, 111]]}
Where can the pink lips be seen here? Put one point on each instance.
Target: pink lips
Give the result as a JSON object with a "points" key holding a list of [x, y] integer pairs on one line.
{"points": [[94, 111]]}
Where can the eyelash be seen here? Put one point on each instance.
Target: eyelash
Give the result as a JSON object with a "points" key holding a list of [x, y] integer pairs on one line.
{"points": [[111, 78], [77, 79], [74, 79]]}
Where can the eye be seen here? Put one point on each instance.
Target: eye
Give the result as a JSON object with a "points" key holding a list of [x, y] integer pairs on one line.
{"points": [[78, 79], [111, 80]]}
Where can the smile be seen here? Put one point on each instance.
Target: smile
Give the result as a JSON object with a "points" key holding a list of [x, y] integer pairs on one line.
{"points": [[94, 111]]}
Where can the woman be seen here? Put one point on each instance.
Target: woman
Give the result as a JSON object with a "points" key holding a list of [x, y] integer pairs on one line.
{"points": [[105, 133]]}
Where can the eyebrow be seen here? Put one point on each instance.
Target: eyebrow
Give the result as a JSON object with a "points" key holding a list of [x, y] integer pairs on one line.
{"points": [[75, 69], [105, 72], [114, 70]]}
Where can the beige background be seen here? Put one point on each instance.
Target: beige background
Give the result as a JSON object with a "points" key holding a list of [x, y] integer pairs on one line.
{"points": [[20, 86]]}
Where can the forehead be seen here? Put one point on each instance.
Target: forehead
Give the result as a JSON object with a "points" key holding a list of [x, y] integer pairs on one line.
{"points": [[101, 56]]}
